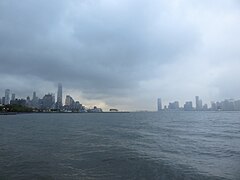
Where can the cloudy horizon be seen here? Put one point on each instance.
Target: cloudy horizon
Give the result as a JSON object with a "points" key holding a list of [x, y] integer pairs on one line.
{"points": [[121, 54]]}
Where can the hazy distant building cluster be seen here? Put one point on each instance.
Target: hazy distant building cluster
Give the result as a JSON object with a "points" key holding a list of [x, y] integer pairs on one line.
{"points": [[226, 105], [47, 102]]}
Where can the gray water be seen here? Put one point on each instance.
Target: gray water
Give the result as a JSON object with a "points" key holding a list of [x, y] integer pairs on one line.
{"points": [[166, 145]]}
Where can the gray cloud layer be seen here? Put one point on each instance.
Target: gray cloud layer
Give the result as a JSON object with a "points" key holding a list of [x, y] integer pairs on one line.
{"points": [[121, 53]]}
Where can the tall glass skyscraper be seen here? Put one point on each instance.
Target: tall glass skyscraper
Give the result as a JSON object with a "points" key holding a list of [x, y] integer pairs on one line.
{"points": [[59, 97], [7, 96], [198, 103], [159, 104]]}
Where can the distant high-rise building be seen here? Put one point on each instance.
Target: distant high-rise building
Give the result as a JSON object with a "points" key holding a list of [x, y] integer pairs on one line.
{"points": [[34, 102], [3, 100], [213, 106], [174, 105], [188, 106], [77, 106], [7, 96], [228, 105], [69, 101], [59, 97], [13, 97], [197, 102], [199, 105], [48, 101], [34, 96], [159, 104], [205, 107]]}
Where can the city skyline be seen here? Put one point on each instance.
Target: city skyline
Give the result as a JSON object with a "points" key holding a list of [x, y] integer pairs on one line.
{"points": [[50, 101], [124, 53], [222, 105]]}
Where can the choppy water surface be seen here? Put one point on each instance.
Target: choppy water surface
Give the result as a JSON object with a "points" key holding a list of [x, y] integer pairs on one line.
{"points": [[166, 145]]}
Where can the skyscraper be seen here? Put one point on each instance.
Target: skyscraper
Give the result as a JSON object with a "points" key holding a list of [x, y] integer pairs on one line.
{"points": [[48, 102], [34, 96], [7, 96], [69, 101], [59, 96], [198, 103], [35, 99], [159, 104], [13, 97]]}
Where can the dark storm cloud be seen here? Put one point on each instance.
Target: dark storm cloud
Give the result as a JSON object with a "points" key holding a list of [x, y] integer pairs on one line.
{"points": [[103, 49], [106, 48]]}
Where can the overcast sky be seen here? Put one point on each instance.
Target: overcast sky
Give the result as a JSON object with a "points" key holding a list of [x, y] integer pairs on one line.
{"points": [[121, 53]]}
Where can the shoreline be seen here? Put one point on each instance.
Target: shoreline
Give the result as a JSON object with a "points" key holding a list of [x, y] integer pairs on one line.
{"points": [[15, 113]]}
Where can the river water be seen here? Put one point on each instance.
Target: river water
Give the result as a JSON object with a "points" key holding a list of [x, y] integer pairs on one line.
{"points": [[164, 145]]}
